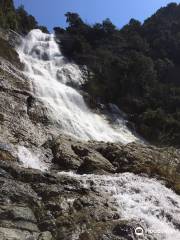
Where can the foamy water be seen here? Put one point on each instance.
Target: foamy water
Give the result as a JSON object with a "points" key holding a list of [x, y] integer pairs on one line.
{"points": [[51, 73], [30, 159], [145, 200]]}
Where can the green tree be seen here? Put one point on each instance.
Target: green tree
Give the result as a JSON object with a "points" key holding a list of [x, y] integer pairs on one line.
{"points": [[73, 19], [25, 22]]}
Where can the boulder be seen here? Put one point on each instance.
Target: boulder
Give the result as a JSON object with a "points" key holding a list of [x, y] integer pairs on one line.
{"points": [[64, 154], [71, 154]]}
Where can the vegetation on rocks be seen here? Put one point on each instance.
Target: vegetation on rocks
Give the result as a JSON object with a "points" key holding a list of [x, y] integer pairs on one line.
{"points": [[136, 67]]}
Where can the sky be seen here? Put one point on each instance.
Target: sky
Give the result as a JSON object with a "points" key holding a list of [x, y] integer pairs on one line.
{"points": [[51, 12]]}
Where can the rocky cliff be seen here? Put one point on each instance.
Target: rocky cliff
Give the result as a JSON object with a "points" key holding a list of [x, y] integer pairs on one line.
{"points": [[82, 190]]}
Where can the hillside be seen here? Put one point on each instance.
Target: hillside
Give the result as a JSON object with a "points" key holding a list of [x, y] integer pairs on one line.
{"points": [[136, 67]]}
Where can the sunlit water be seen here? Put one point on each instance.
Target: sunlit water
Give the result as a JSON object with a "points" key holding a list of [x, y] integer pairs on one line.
{"points": [[51, 75], [30, 159]]}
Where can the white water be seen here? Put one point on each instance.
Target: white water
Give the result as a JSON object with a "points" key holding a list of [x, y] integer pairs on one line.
{"points": [[31, 160], [50, 73], [145, 200]]}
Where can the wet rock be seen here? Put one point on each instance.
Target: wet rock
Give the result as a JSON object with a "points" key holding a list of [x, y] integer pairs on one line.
{"points": [[17, 213], [64, 155], [7, 153], [8, 40], [95, 163], [37, 112], [48, 205], [9, 234], [24, 119], [11, 37], [4, 173], [125, 230], [114, 109], [45, 236], [71, 154], [163, 163], [102, 158]]}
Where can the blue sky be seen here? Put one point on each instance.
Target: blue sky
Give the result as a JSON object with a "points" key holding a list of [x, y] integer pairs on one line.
{"points": [[51, 12]]}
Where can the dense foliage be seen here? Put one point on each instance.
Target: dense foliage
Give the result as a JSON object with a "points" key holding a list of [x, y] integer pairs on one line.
{"points": [[137, 67], [17, 19]]}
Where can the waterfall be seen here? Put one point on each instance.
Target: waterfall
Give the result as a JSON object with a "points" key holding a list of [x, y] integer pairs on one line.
{"points": [[139, 198], [52, 74]]}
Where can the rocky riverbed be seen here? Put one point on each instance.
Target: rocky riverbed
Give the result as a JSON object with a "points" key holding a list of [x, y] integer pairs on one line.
{"points": [[106, 203]]}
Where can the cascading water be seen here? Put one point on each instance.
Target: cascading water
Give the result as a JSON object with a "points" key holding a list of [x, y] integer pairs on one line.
{"points": [[30, 159], [135, 197], [50, 73]]}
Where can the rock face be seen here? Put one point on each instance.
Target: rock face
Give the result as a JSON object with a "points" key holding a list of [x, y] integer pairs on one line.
{"points": [[24, 120], [22, 116], [8, 40], [7, 153], [47, 206], [163, 163], [100, 158], [55, 205]]}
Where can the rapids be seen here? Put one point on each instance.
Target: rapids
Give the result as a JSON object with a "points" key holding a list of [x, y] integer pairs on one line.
{"points": [[147, 201]]}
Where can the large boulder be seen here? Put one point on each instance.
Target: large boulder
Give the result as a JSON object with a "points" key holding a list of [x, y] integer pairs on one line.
{"points": [[71, 154]]}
